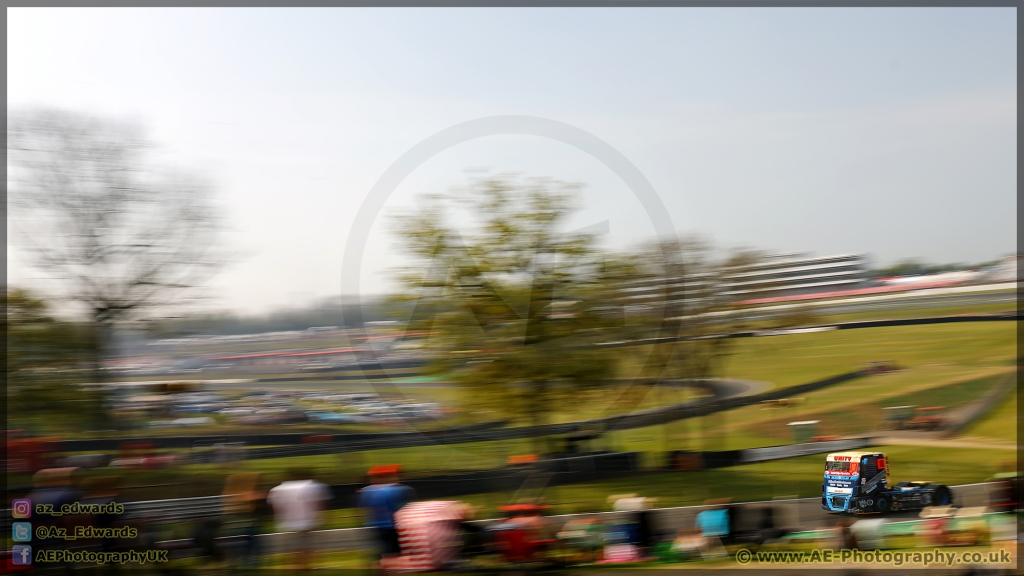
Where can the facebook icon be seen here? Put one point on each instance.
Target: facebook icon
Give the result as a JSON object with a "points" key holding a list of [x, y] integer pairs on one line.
{"points": [[21, 555]]}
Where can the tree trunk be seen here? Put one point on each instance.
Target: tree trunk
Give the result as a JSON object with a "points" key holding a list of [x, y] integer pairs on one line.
{"points": [[537, 408], [101, 415]]}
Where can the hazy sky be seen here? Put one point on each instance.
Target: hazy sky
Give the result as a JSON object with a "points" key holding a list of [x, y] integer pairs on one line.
{"points": [[885, 131]]}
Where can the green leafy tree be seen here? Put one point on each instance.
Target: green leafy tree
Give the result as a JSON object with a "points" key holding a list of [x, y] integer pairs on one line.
{"points": [[514, 303], [46, 359]]}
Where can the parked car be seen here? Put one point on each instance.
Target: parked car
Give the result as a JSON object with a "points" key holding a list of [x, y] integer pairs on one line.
{"points": [[198, 421], [328, 417]]}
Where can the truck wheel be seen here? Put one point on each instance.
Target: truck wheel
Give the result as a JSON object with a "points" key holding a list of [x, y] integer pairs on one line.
{"points": [[882, 503], [940, 495]]}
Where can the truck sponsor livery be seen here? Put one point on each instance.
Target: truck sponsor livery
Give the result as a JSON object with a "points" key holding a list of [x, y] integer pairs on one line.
{"points": [[858, 482]]}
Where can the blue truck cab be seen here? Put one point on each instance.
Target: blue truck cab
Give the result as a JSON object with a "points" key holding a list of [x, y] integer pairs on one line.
{"points": [[858, 482]]}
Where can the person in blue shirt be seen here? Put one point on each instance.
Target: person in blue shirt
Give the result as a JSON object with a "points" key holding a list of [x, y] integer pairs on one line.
{"points": [[380, 501], [715, 526], [713, 523]]}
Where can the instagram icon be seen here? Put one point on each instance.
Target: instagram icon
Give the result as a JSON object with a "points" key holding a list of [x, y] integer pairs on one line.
{"points": [[21, 508]]}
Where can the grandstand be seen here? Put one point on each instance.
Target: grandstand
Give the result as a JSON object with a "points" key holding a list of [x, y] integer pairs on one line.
{"points": [[771, 277], [796, 274], [792, 277]]}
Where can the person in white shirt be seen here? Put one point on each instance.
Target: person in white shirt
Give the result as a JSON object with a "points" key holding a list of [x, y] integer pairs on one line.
{"points": [[298, 504]]}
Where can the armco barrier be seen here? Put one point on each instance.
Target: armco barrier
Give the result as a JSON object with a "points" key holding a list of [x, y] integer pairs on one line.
{"points": [[680, 459], [982, 406], [998, 317], [597, 462], [560, 471], [292, 438], [792, 450], [683, 460], [936, 320]]}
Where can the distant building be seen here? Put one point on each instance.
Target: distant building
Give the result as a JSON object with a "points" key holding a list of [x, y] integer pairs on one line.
{"points": [[794, 274], [786, 277], [642, 294], [773, 276], [1004, 271]]}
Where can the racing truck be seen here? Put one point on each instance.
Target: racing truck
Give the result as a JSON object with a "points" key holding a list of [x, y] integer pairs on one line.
{"points": [[858, 483]]}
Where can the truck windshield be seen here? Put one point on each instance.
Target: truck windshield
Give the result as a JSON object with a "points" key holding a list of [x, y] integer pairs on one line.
{"points": [[837, 466]]}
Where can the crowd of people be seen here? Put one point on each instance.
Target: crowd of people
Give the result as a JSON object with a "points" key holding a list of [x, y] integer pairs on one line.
{"points": [[405, 534], [400, 528]]}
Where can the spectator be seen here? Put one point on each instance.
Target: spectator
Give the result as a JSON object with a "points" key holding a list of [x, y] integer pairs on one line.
{"points": [[241, 502], [847, 540], [639, 509], [714, 526], [103, 491], [579, 535], [205, 537], [474, 541], [53, 487], [525, 533], [594, 539], [298, 504], [380, 501], [689, 544], [645, 530], [530, 517]]}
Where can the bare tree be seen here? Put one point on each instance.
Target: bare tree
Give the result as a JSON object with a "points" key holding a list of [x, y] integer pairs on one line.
{"points": [[121, 237]]}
